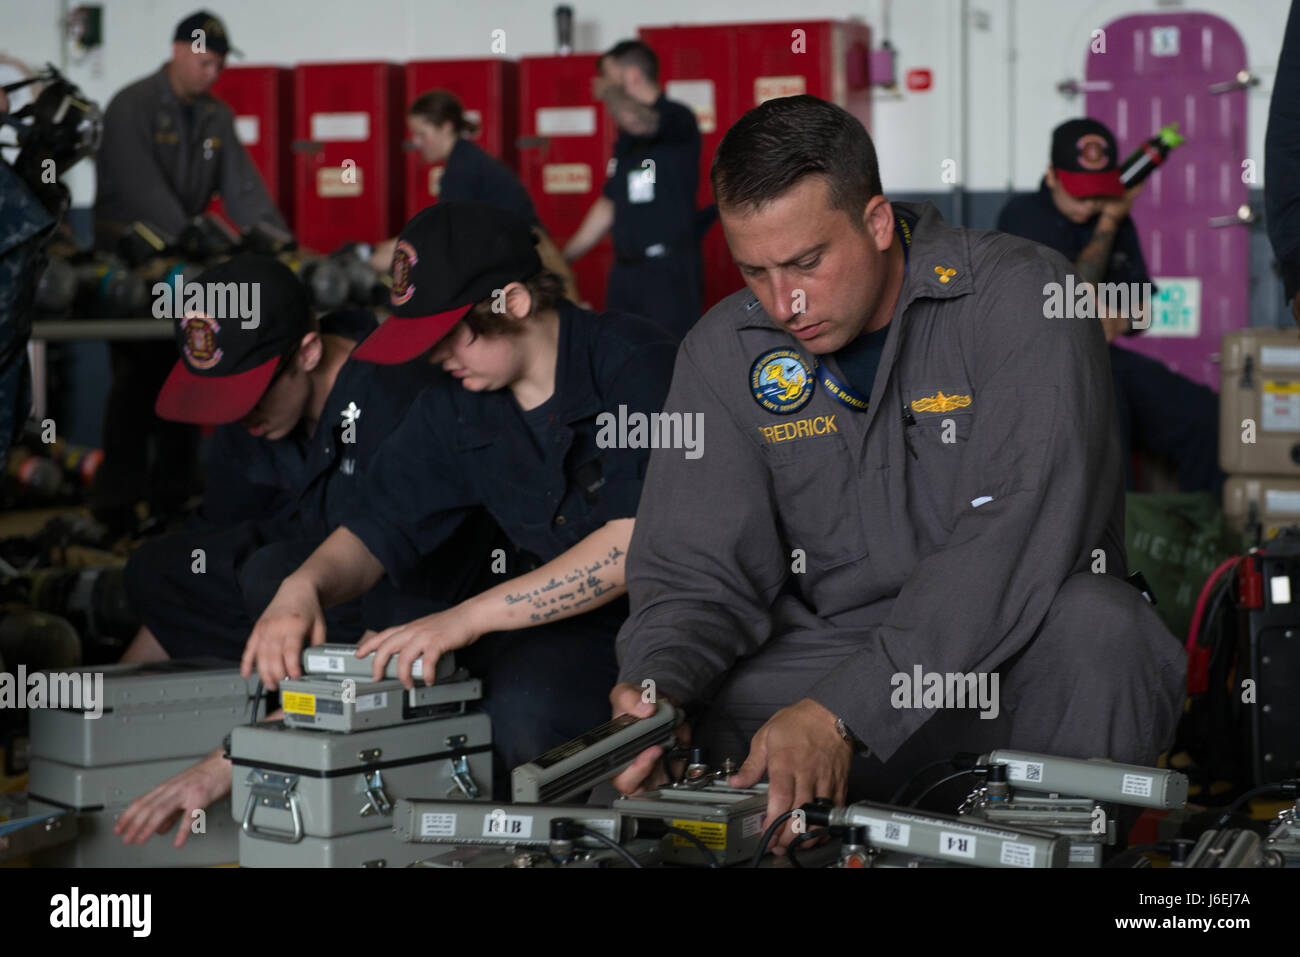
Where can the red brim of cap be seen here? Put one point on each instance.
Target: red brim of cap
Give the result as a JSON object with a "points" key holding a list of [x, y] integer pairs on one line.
{"points": [[402, 339], [215, 400], [1105, 183]]}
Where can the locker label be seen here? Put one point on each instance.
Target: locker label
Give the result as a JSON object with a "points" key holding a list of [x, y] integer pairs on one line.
{"points": [[340, 127], [331, 184], [248, 129], [566, 178], [1164, 41], [566, 121], [771, 87], [698, 95]]}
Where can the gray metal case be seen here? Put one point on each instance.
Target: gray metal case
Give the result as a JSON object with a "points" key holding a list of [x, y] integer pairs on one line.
{"points": [[377, 848], [151, 712], [294, 783], [24, 829], [340, 660], [729, 821], [347, 706], [100, 795]]}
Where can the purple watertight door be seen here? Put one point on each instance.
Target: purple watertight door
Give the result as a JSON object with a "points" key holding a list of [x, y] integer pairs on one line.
{"points": [[1179, 67]]}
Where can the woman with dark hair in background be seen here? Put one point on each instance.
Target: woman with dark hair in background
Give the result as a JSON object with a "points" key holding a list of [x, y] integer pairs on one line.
{"points": [[439, 127]]}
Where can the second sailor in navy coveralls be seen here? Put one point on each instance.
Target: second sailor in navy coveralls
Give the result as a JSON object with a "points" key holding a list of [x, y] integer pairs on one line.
{"points": [[649, 195], [303, 423], [440, 132], [520, 437], [306, 421]]}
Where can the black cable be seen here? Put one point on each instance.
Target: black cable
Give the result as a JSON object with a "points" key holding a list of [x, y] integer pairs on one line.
{"points": [[254, 702], [610, 843], [767, 836], [902, 788], [1281, 787], [939, 783], [1127, 857], [709, 859], [799, 839]]}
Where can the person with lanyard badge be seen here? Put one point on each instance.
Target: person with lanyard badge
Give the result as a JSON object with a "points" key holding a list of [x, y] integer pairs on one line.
{"points": [[440, 131], [169, 146], [957, 513], [1081, 210], [525, 435], [299, 422], [649, 196]]}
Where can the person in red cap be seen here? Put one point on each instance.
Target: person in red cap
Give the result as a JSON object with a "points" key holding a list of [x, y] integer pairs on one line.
{"points": [[1082, 211], [298, 423], [527, 434]]}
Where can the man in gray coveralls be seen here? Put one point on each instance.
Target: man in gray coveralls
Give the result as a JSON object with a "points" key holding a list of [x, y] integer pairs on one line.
{"points": [[168, 147], [912, 485]]}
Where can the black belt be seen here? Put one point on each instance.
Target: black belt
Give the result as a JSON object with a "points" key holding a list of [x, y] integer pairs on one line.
{"points": [[657, 251]]}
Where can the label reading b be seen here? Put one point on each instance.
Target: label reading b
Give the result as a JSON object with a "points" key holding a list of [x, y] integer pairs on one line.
{"points": [[498, 824]]}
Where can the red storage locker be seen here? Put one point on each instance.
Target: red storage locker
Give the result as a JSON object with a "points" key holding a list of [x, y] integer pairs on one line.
{"points": [[723, 70], [261, 98], [565, 142], [348, 130], [490, 91]]}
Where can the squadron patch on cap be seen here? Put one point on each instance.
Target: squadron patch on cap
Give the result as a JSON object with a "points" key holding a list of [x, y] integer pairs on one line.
{"points": [[201, 349], [1092, 152], [404, 258], [781, 381]]}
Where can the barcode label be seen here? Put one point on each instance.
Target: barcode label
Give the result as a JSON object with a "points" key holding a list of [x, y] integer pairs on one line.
{"points": [[320, 663], [1031, 771], [887, 832], [372, 702]]}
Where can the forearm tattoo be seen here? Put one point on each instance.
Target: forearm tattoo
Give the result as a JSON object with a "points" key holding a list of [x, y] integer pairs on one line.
{"points": [[580, 587], [1092, 263]]}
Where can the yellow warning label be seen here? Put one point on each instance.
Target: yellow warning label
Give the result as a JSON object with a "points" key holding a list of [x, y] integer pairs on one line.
{"points": [[712, 835], [1282, 386], [298, 703]]}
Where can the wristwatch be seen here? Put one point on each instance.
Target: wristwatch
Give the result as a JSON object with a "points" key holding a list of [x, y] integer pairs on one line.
{"points": [[850, 737]]}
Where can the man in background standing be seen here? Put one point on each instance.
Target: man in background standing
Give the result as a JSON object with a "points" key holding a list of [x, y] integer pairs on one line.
{"points": [[169, 146]]}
